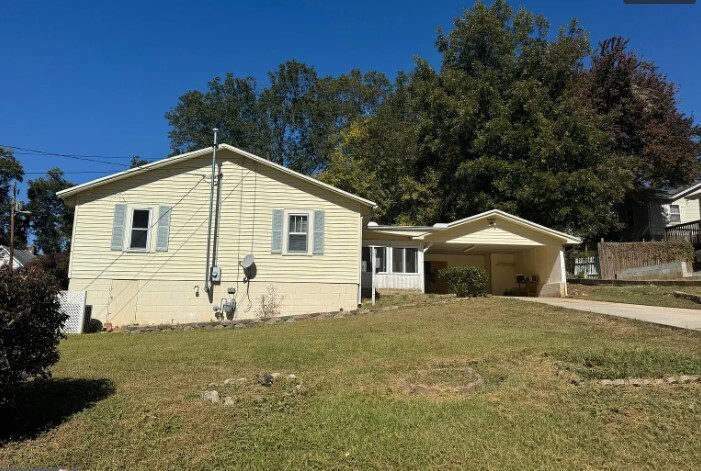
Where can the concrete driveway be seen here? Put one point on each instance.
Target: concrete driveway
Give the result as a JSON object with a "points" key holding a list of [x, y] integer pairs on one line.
{"points": [[675, 317]]}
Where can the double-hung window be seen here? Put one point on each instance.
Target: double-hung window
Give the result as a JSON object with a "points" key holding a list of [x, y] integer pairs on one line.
{"points": [[298, 233], [140, 221], [675, 215], [405, 260]]}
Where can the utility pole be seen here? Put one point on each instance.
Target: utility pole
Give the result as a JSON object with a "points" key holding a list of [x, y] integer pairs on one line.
{"points": [[15, 209], [12, 227]]}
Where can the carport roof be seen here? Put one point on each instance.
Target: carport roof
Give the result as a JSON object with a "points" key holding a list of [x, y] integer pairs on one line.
{"points": [[425, 232]]}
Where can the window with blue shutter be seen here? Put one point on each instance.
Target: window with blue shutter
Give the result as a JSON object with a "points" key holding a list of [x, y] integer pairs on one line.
{"points": [[276, 233], [163, 228], [120, 213], [319, 232]]}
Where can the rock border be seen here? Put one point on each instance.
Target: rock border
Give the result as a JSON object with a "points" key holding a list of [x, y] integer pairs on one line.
{"points": [[426, 390], [638, 382], [285, 319]]}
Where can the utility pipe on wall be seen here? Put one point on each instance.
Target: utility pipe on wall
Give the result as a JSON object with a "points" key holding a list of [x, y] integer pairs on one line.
{"points": [[208, 269]]}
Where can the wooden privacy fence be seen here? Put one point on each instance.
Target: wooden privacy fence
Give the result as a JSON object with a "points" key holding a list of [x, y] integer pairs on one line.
{"points": [[617, 256]]}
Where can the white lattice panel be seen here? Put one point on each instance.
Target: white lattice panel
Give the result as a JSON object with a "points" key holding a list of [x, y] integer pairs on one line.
{"points": [[73, 304]]}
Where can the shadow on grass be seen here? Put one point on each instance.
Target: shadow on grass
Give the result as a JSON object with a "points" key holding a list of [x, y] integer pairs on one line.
{"points": [[39, 406]]}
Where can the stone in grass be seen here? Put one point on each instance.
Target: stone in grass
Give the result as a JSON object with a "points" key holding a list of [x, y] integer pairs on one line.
{"points": [[672, 380], [229, 381], [606, 382], [276, 376], [265, 379], [686, 379], [212, 385], [229, 401], [211, 397], [619, 382], [292, 377]]}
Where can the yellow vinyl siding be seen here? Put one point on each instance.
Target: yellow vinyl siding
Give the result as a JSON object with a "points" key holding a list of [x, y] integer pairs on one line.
{"points": [[249, 193]]}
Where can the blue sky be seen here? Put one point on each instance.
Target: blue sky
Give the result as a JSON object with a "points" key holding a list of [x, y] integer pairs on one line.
{"points": [[95, 78]]}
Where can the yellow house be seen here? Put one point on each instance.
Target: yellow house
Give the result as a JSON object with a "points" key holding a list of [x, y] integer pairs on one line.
{"points": [[139, 245], [146, 251]]}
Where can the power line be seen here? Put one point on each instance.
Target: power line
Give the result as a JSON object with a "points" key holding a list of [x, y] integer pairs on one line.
{"points": [[46, 152], [86, 158]]}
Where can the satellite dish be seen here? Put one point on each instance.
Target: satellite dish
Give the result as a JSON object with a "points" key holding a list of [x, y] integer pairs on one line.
{"points": [[247, 261]]}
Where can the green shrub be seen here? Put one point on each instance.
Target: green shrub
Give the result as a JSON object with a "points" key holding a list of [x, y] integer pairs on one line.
{"points": [[30, 323], [465, 281]]}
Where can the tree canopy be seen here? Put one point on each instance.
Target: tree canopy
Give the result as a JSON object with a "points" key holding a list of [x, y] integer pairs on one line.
{"points": [[515, 118]]}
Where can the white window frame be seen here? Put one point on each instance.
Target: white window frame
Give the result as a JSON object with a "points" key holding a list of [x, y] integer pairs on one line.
{"points": [[386, 258], [679, 213], [286, 231], [404, 249], [127, 235]]}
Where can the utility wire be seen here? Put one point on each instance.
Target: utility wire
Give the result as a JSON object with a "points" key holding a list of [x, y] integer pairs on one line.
{"points": [[87, 158]]}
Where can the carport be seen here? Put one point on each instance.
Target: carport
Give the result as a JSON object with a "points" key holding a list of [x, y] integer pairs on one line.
{"points": [[520, 256]]}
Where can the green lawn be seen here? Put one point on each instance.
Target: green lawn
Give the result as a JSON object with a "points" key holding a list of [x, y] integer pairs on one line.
{"points": [[646, 295], [351, 413]]}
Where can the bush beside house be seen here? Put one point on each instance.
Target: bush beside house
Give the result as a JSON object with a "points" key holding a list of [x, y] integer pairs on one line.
{"points": [[30, 326], [465, 281]]}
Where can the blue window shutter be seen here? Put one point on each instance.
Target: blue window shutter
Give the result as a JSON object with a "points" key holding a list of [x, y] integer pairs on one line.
{"points": [[120, 215], [276, 236], [319, 232], [163, 228]]}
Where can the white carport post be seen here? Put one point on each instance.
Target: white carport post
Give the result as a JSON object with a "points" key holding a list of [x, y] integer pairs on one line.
{"points": [[372, 265], [563, 272]]}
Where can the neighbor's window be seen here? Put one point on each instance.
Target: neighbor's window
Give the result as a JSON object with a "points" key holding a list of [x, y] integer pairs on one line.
{"points": [[405, 260], [298, 233], [140, 219], [675, 215]]}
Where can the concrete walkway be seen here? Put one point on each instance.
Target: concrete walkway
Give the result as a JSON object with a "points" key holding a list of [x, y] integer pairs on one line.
{"points": [[675, 317]]}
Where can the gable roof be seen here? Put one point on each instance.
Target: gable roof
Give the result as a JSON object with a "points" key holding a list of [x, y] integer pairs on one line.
{"points": [[198, 153], [567, 239], [671, 194], [21, 256]]}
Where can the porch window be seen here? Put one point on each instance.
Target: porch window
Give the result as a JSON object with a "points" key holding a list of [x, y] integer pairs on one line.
{"points": [[675, 215], [380, 259], [405, 260]]}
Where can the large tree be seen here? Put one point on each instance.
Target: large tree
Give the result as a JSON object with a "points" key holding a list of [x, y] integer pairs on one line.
{"points": [[503, 125], [230, 105], [10, 171], [659, 142], [51, 219]]}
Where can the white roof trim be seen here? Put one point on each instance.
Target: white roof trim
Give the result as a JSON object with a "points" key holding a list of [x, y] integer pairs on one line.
{"points": [[569, 239], [198, 153], [7, 251], [682, 193], [440, 227]]}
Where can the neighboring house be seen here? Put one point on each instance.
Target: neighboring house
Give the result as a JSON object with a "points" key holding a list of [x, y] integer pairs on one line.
{"points": [[21, 257], [139, 242], [665, 209]]}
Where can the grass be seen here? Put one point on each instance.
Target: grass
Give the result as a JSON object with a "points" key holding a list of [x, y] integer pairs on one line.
{"points": [[133, 401], [646, 295]]}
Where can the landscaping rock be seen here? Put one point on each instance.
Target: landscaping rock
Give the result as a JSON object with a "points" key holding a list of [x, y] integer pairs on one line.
{"points": [[686, 379], [211, 397], [276, 376], [265, 379], [229, 401], [672, 380], [291, 377], [229, 381], [212, 385], [619, 382], [606, 382]]}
